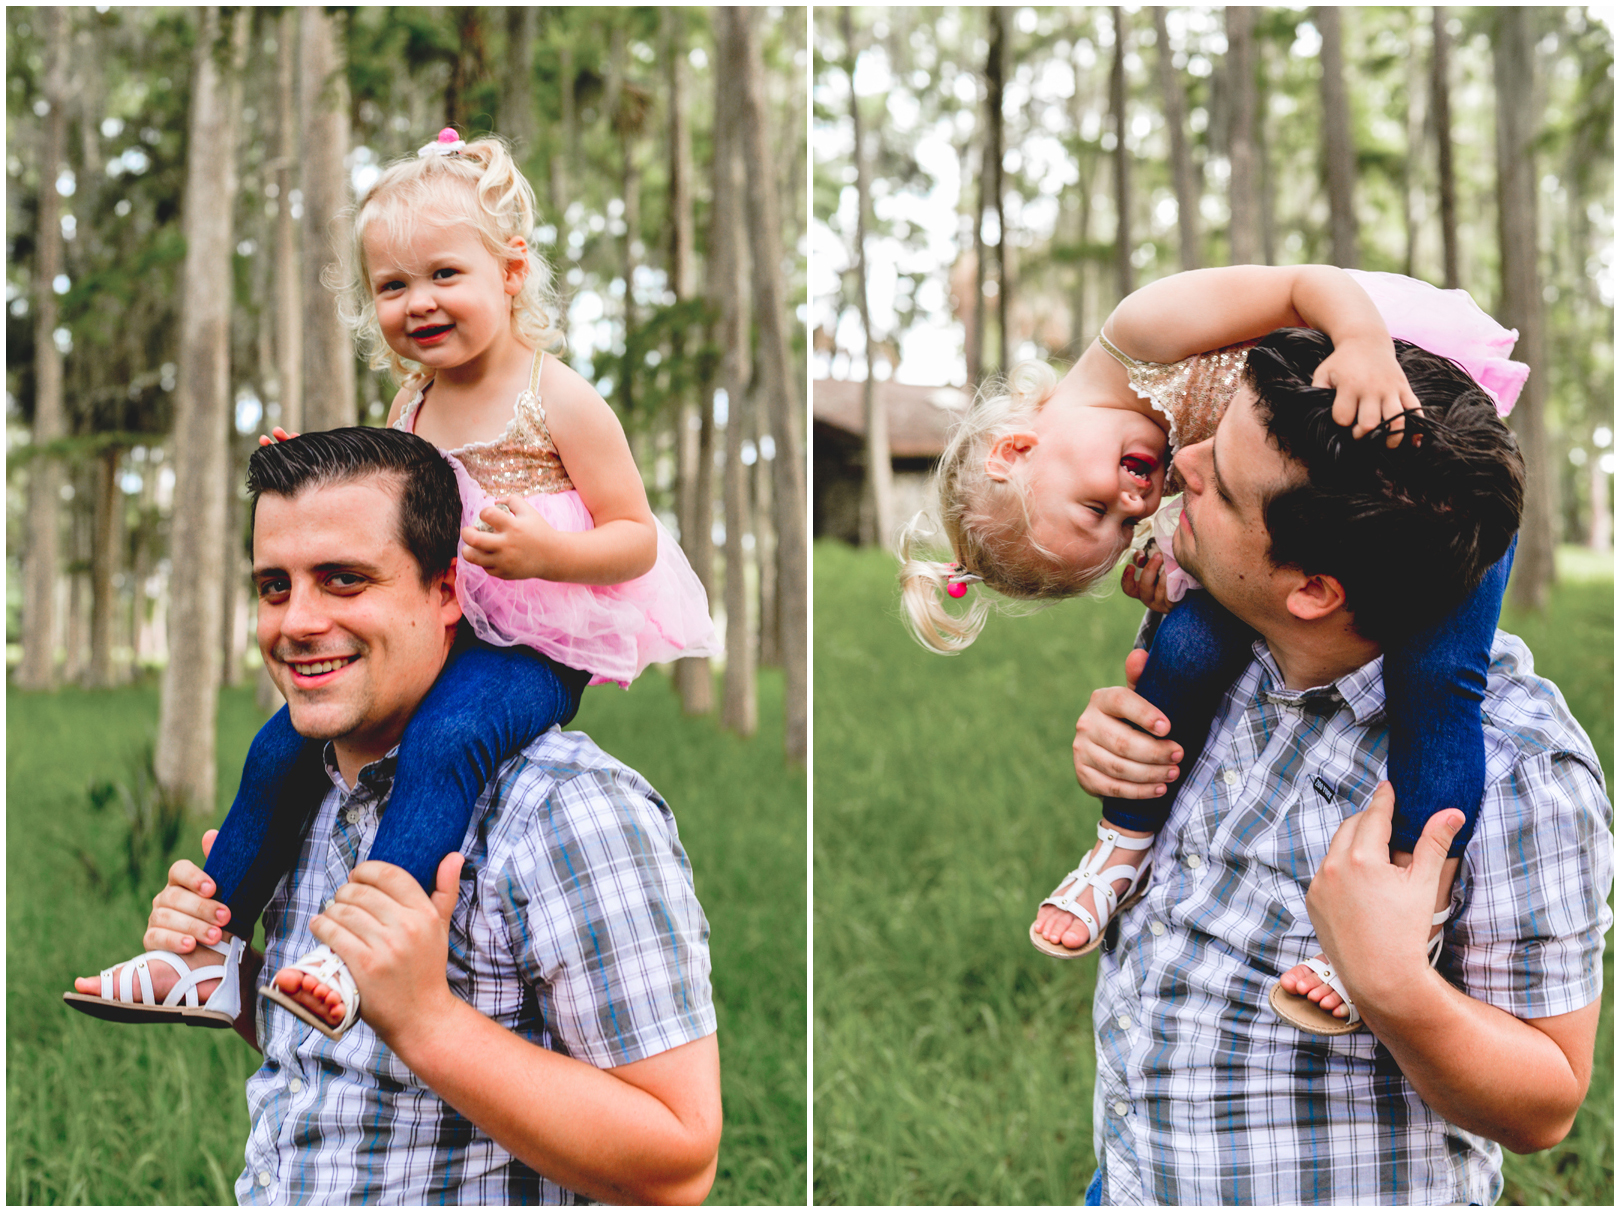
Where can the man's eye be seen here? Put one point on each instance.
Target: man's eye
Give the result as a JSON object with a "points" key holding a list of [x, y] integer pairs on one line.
{"points": [[345, 580], [271, 589]]}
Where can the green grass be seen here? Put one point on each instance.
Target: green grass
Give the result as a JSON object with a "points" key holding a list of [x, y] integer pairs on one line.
{"points": [[104, 1114], [954, 1063]]}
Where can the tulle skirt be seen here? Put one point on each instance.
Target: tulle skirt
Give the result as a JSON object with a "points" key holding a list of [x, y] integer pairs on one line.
{"points": [[613, 632]]}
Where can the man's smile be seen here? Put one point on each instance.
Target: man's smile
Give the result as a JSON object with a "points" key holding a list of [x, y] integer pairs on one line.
{"points": [[312, 670]]}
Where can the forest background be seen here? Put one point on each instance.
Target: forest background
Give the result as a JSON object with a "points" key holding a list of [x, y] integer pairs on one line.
{"points": [[177, 181], [1002, 177]]}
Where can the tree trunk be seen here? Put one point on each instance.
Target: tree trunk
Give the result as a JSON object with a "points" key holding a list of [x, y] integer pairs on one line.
{"points": [[1183, 164], [975, 340], [1244, 218], [996, 66], [566, 100], [76, 653], [1085, 170], [729, 292], [782, 405], [105, 543], [1443, 122], [1123, 185], [877, 523], [38, 668], [769, 621], [186, 724], [694, 681], [329, 360], [1414, 191], [518, 98], [231, 564], [1340, 163], [1523, 302]]}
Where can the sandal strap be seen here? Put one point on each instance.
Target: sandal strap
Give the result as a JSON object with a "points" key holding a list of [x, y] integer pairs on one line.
{"points": [[328, 967], [226, 996], [1087, 876], [1322, 969]]}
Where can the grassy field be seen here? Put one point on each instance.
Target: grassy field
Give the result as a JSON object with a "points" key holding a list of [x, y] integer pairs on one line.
{"points": [[954, 1064], [100, 1114]]}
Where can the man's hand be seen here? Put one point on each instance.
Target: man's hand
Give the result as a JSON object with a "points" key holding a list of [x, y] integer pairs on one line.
{"points": [[518, 543], [182, 914], [394, 939], [1115, 758], [1372, 917], [1144, 578], [1370, 386]]}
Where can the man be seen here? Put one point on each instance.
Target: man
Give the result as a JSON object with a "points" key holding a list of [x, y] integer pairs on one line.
{"points": [[1203, 1094], [540, 1028]]}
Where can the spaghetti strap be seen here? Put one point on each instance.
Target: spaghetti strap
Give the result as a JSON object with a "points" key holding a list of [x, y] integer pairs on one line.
{"points": [[1109, 347], [535, 373]]}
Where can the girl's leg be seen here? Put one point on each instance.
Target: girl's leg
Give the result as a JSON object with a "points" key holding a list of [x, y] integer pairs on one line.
{"points": [[1435, 681], [486, 706], [283, 781], [1198, 651]]}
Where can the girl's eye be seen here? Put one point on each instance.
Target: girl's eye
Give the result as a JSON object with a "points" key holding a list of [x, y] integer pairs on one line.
{"points": [[385, 287], [1098, 509], [442, 274]]}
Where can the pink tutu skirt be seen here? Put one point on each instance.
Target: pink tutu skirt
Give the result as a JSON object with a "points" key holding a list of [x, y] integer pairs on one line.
{"points": [[1448, 322], [613, 632]]}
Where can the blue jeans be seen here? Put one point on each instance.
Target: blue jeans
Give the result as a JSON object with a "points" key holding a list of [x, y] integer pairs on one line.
{"points": [[1435, 680], [485, 706]]}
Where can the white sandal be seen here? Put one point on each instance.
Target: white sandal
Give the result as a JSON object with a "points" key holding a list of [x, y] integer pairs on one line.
{"points": [[1307, 1015], [118, 1005], [323, 964], [1091, 874]]}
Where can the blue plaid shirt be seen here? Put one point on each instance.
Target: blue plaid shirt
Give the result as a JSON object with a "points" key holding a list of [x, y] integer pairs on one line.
{"points": [[577, 929], [1203, 1095]]}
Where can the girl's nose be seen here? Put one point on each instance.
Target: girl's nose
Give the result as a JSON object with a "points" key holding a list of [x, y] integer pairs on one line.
{"points": [[1132, 502]]}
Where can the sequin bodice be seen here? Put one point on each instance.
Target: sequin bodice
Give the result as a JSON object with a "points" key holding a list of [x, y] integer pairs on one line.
{"points": [[523, 461], [1193, 393]]}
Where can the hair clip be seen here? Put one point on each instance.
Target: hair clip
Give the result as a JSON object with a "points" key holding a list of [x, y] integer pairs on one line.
{"points": [[447, 144], [959, 579]]}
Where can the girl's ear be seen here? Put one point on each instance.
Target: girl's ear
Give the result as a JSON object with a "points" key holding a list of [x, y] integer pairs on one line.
{"points": [[1007, 452], [517, 269]]}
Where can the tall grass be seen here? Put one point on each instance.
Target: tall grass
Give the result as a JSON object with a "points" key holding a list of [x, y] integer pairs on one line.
{"points": [[105, 1114], [955, 1064]]}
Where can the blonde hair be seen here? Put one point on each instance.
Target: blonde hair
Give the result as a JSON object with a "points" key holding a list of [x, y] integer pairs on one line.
{"points": [[987, 522], [479, 184]]}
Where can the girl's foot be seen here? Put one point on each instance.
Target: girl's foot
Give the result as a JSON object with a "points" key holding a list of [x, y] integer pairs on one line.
{"points": [[163, 977], [1072, 921], [325, 1003]]}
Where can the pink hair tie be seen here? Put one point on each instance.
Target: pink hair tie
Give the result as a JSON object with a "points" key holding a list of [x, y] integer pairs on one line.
{"points": [[447, 144], [959, 579]]}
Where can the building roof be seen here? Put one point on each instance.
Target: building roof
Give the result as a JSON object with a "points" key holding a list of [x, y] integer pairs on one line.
{"points": [[919, 417]]}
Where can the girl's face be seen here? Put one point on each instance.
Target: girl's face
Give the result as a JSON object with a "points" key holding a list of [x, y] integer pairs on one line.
{"points": [[442, 299], [1092, 473]]}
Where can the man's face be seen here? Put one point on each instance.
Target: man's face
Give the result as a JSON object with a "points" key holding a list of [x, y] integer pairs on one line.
{"points": [[349, 633], [1222, 538]]}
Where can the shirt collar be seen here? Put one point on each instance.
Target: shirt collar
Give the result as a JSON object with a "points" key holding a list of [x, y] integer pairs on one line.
{"points": [[1362, 690], [378, 776]]}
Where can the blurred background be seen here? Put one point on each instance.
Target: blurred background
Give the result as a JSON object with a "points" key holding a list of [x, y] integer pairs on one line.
{"points": [[178, 179], [987, 184]]}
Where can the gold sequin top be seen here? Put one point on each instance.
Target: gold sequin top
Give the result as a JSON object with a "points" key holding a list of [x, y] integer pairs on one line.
{"points": [[1191, 394], [523, 461]]}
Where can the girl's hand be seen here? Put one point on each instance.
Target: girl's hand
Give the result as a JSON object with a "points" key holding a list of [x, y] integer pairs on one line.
{"points": [[1144, 578], [277, 435], [519, 543], [1370, 386]]}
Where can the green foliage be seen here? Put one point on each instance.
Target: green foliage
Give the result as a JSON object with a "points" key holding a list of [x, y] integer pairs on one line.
{"points": [[153, 817], [955, 1063], [105, 1114]]}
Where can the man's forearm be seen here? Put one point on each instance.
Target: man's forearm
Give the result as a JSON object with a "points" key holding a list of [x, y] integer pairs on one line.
{"points": [[1481, 1068], [590, 1130]]}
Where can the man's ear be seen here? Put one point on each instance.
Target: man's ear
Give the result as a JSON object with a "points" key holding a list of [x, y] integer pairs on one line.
{"points": [[450, 606], [1008, 451], [1316, 597]]}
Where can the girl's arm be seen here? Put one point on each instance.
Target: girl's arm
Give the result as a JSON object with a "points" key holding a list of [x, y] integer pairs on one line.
{"points": [[1205, 309], [622, 543]]}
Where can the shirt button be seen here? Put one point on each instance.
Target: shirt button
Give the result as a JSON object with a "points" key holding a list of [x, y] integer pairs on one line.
{"points": [[1123, 1021], [351, 815], [1157, 929], [264, 1178], [1231, 777], [1120, 1108], [295, 1085], [1194, 862]]}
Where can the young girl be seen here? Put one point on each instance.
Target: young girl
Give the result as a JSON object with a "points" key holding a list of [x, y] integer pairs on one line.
{"points": [[562, 556], [1041, 490]]}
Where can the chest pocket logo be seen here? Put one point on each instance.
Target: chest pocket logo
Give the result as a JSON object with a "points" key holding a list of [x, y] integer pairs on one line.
{"points": [[1323, 789]]}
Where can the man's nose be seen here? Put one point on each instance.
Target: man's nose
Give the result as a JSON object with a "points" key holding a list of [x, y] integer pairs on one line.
{"points": [[1187, 461], [304, 613]]}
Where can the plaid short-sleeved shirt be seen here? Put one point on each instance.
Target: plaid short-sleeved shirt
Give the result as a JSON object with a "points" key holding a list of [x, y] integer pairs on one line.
{"points": [[1203, 1095], [576, 928]]}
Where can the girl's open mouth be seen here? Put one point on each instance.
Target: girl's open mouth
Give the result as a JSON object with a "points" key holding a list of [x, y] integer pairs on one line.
{"points": [[1140, 467], [428, 334]]}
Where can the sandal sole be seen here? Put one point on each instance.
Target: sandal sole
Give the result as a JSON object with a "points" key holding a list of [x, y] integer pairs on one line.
{"points": [[112, 1011], [1308, 1016], [1058, 952]]}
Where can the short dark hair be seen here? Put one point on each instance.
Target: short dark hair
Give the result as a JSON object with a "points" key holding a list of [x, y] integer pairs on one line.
{"points": [[429, 507], [1408, 531]]}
